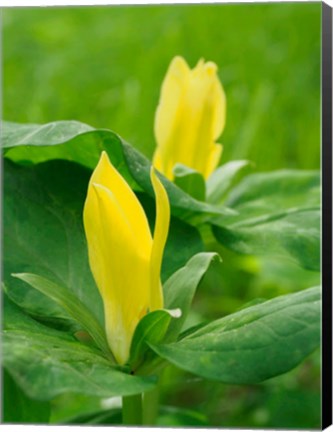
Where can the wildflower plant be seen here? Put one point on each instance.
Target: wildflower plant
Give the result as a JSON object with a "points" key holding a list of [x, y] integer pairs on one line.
{"points": [[104, 253]]}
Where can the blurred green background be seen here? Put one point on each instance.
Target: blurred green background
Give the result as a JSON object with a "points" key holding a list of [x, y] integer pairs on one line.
{"points": [[104, 66]]}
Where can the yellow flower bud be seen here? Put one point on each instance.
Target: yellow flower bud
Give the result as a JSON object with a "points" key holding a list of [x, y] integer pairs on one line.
{"points": [[189, 118], [124, 258]]}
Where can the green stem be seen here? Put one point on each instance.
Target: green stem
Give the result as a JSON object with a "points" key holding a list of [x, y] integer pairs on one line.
{"points": [[132, 410], [150, 406]]}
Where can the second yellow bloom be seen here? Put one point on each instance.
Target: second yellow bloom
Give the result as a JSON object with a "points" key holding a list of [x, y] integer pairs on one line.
{"points": [[189, 118]]}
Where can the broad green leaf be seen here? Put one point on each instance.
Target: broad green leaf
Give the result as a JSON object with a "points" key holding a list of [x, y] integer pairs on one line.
{"points": [[253, 344], [180, 288], [45, 362], [71, 304], [44, 233], [190, 181], [293, 234], [80, 143], [278, 214], [260, 193], [223, 178], [70, 140], [40, 307], [151, 329], [15, 134], [18, 407]]}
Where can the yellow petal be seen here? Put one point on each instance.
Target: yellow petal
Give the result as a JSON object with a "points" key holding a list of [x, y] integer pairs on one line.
{"points": [[189, 118], [157, 160], [120, 262], [168, 114], [105, 174], [160, 236], [219, 102], [172, 92], [214, 157]]}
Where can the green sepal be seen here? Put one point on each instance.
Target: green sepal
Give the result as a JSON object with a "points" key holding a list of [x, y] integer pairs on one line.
{"points": [[190, 181], [151, 329], [180, 288]]}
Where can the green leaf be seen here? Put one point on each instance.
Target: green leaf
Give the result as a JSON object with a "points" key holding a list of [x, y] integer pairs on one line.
{"points": [[71, 304], [253, 344], [45, 362], [293, 234], [222, 179], [15, 134], [80, 143], [40, 307], [278, 214], [190, 181], [275, 191], [18, 407], [151, 329], [43, 207], [180, 288]]}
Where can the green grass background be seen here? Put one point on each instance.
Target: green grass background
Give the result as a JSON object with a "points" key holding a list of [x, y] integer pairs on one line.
{"points": [[104, 66]]}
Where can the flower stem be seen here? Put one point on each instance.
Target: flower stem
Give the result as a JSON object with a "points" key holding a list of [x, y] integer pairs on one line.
{"points": [[132, 410], [150, 406]]}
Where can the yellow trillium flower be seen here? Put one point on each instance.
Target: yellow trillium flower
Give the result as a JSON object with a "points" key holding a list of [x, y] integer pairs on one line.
{"points": [[124, 258], [189, 118]]}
